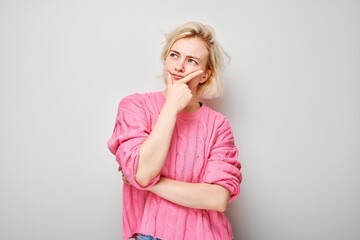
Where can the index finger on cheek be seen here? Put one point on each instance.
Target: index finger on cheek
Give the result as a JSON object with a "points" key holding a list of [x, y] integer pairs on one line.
{"points": [[192, 75]]}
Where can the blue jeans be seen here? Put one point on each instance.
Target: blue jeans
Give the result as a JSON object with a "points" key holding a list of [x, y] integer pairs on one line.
{"points": [[145, 237]]}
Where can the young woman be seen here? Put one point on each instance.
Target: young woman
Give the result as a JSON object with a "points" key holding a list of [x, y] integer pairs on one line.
{"points": [[177, 155]]}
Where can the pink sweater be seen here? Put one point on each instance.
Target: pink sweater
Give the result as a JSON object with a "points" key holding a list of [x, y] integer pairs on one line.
{"points": [[202, 150]]}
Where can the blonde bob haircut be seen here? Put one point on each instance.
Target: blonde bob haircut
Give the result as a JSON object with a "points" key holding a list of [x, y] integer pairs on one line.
{"points": [[211, 88]]}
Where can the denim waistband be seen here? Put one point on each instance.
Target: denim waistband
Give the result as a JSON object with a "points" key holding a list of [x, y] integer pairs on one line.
{"points": [[146, 237]]}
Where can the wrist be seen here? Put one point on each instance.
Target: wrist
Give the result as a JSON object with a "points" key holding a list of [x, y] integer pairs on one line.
{"points": [[170, 110], [153, 188]]}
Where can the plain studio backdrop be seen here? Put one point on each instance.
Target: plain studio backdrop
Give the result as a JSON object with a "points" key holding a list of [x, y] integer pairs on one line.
{"points": [[292, 96]]}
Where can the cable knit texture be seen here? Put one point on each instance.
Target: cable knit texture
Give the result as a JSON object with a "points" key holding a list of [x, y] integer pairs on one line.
{"points": [[202, 151]]}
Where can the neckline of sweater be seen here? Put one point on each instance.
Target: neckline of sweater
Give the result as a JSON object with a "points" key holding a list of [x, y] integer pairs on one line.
{"points": [[183, 114]]}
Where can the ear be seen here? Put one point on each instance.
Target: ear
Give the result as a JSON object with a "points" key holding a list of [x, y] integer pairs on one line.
{"points": [[206, 76]]}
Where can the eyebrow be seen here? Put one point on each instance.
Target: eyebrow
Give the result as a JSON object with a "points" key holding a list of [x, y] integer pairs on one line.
{"points": [[186, 56]]}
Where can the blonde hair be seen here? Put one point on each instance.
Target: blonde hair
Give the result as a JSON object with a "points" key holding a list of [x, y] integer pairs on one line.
{"points": [[211, 88]]}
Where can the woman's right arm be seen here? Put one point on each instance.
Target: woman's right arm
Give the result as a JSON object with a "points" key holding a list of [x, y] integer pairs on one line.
{"points": [[154, 150]]}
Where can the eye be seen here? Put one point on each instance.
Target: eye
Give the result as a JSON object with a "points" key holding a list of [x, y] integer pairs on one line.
{"points": [[173, 55], [193, 62]]}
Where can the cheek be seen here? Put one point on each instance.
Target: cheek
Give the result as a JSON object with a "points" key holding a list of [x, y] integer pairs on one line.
{"points": [[195, 81], [199, 78], [168, 64]]}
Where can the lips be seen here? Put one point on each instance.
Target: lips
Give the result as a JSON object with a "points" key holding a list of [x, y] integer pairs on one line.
{"points": [[176, 77]]}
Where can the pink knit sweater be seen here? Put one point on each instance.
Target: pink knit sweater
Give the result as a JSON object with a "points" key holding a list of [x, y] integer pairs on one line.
{"points": [[202, 150]]}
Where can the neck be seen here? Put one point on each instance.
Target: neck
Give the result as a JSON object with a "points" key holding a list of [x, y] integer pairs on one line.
{"points": [[193, 105]]}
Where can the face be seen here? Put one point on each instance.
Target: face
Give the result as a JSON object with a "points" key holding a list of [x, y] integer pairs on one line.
{"points": [[188, 55]]}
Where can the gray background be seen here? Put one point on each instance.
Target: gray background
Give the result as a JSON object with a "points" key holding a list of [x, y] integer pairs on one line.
{"points": [[292, 96]]}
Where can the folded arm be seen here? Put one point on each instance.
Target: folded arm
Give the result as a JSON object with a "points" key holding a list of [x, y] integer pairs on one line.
{"points": [[220, 183], [194, 195]]}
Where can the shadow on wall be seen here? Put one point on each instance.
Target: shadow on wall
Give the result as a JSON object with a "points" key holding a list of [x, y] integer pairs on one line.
{"points": [[235, 216], [222, 105], [229, 103]]}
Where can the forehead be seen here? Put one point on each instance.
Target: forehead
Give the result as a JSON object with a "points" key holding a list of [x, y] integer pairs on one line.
{"points": [[191, 46]]}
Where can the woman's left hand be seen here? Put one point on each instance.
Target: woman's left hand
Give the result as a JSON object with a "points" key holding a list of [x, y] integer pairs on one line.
{"points": [[123, 176]]}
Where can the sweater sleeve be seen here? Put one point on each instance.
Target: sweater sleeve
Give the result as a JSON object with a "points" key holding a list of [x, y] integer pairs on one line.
{"points": [[223, 167], [130, 131]]}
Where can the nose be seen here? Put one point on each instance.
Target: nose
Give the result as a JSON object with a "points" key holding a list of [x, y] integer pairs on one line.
{"points": [[180, 67]]}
